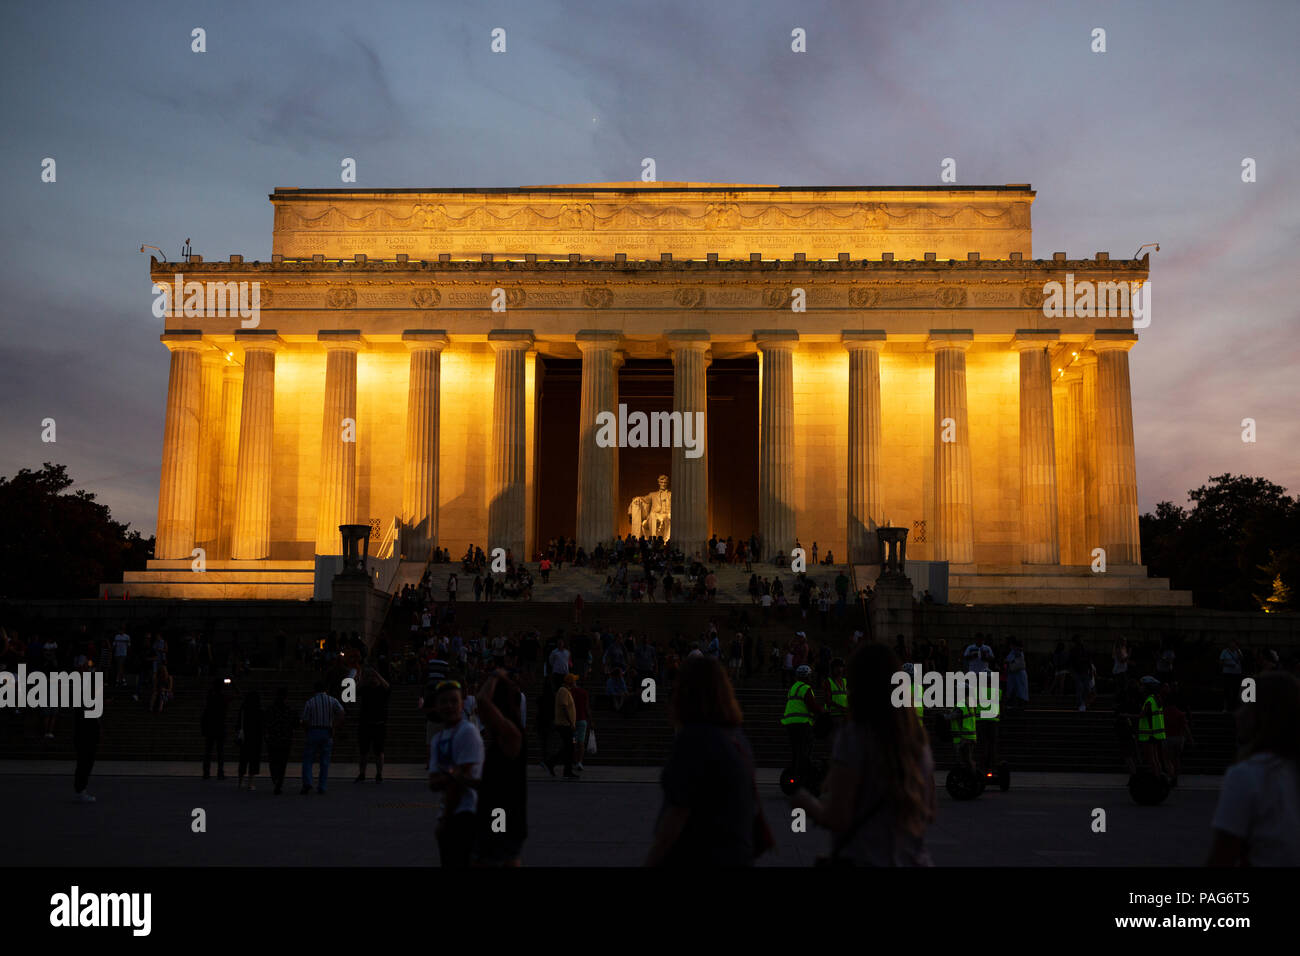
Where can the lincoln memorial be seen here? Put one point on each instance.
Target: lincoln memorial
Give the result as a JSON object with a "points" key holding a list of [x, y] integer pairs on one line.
{"points": [[432, 363]]}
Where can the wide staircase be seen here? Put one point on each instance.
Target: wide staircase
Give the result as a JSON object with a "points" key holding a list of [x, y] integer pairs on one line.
{"points": [[570, 581]]}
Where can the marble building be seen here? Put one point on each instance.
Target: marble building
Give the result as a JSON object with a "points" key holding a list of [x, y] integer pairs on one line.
{"points": [[432, 362]]}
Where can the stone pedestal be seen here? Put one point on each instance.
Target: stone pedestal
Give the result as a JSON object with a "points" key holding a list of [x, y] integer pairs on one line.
{"points": [[890, 610]]}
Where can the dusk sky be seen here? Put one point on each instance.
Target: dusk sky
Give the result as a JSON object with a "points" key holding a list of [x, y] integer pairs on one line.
{"points": [[1143, 143]]}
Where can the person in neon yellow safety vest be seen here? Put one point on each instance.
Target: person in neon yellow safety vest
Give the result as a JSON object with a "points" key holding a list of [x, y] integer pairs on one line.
{"points": [[961, 721], [836, 690], [801, 708], [1151, 725]]}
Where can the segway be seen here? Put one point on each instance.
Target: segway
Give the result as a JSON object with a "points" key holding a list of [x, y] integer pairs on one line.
{"points": [[1002, 777], [1148, 788], [963, 783], [791, 781]]}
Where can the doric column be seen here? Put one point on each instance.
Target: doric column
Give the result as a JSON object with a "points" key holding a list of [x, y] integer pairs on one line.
{"points": [[1116, 468], [252, 531], [179, 484], [338, 441], [1069, 465], [420, 467], [597, 467], [208, 498], [864, 442], [1087, 365], [1039, 536], [776, 514], [232, 395], [953, 516], [689, 527], [507, 511]]}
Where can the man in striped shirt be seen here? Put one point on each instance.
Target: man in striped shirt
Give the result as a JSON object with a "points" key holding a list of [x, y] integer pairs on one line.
{"points": [[320, 717]]}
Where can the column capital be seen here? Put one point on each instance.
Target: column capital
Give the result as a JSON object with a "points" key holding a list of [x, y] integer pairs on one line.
{"points": [[267, 340], [688, 338], [1034, 339], [620, 358], [856, 339], [960, 339], [433, 339], [1105, 340], [593, 339], [180, 340], [511, 339], [341, 339], [767, 339]]}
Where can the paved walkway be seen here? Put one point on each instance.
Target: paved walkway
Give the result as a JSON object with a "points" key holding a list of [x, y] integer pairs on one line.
{"points": [[144, 811]]}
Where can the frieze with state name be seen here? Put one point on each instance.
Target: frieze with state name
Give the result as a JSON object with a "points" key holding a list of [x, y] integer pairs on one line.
{"points": [[713, 217]]}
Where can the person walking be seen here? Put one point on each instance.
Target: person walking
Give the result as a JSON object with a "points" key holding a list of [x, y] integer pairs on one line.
{"points": [[502, 824], [881, 779], [85, 743], [1257, 821], [1081, 672], [372, 724], [277, 726], [455, 767], [248, 734], [566, 718], [321, 715], [212, 723], [711, 815]]}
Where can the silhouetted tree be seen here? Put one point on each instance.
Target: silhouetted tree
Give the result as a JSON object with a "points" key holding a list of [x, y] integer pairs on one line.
{"points": [[55, 544], [1240, 535]]}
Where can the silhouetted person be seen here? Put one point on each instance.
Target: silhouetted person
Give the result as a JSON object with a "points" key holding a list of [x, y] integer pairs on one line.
{"points": [[213, 725]]}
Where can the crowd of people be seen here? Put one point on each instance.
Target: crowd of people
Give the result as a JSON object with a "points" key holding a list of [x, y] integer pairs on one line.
{"points": [[485, 694]]}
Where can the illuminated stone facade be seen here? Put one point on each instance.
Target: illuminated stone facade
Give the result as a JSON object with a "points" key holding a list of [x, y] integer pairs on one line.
{"points": [[906, 372]]}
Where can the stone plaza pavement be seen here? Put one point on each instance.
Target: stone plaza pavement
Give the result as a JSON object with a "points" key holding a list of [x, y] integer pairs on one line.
{"points": [[143, 815]]}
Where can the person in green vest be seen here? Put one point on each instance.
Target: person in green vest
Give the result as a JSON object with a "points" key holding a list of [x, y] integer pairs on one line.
{"points": [[801, 708], [961, 722], [1151, 725], [836, 690]]}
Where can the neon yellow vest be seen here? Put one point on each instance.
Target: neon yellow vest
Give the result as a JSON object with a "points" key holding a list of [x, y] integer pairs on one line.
{"points": [[963, 726], [796, 707], [839, 703], [1152, 726]]}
